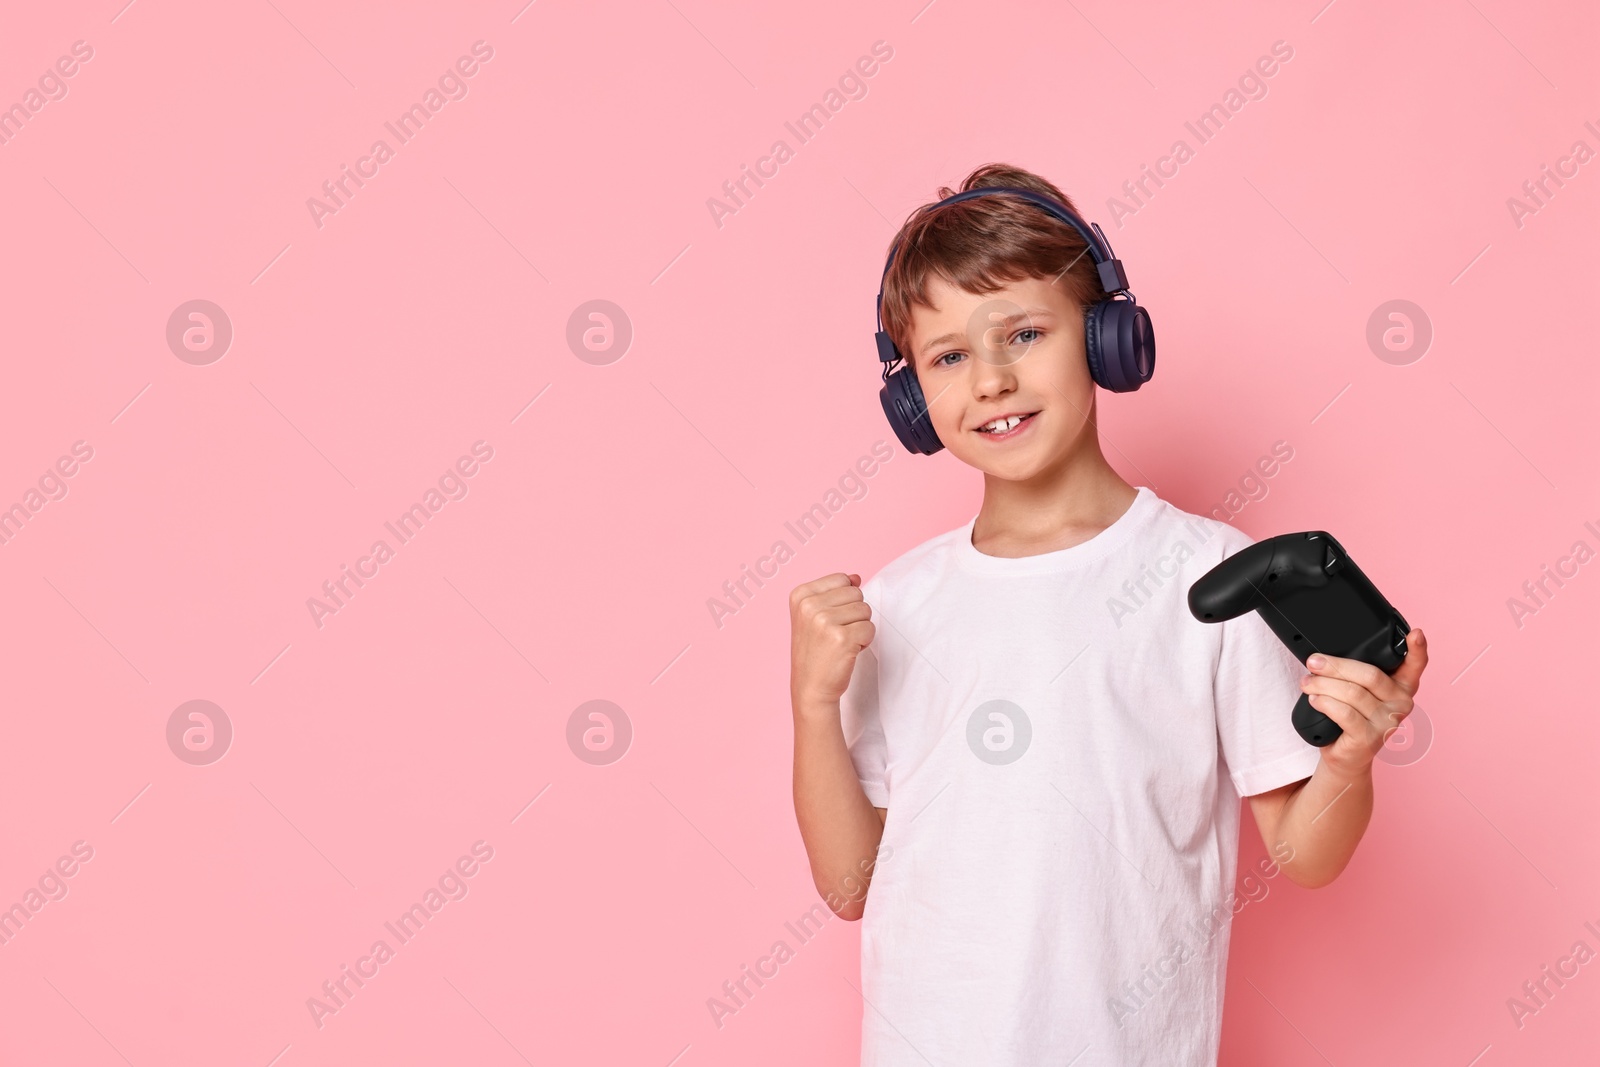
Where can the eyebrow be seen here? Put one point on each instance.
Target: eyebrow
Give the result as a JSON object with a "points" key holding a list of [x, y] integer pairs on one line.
{"points": [[1020, 316]]}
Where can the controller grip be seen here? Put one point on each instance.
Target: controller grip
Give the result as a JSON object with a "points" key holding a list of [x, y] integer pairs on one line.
{"points": [[1311, 724], [1233, 586]]}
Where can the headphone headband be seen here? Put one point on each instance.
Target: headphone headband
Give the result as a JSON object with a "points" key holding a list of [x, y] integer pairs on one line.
{"points": [[1113, 279]]}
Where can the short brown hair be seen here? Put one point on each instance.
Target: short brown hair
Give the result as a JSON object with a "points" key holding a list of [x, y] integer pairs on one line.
{"points": [[981, 244]]}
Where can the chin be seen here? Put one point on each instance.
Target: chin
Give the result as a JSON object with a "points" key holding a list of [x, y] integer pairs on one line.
{"points": [[1017, 468], [1014, 471]]}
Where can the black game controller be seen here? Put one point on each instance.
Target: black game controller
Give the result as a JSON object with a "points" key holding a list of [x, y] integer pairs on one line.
{"points": [[1308, 589]]}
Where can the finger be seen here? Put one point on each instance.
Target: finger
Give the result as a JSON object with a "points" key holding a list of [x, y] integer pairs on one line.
{"points": [[1408, 675], [855, 579], [861, 633], [1348, 719], [1349, 692], [1357, 697], [1353, 670], [845, 614], [832, 598], [817, 585]]}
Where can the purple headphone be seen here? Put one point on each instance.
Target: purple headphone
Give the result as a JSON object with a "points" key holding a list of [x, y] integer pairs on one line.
{"points": [[1118, 339]]}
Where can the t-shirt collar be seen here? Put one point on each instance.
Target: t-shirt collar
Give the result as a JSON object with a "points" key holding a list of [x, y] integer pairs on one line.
{"points": [[1096, 547]]}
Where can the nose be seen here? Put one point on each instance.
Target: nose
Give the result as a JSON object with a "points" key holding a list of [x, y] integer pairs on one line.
{"points": [[993, 367]]}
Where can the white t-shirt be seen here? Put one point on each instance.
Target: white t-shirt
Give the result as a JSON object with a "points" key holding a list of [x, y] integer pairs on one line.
{"points": [[1061, 747]]}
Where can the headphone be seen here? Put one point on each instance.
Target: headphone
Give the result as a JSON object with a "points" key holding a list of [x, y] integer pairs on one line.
{"points": [[1118, 339]]}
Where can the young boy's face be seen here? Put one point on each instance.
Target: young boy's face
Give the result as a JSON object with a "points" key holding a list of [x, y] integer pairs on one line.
{"points": [[1016, 351]]}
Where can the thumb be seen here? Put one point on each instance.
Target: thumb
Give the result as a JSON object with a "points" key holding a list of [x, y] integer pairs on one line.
{"points": [[1409, 673], [855, 579]]}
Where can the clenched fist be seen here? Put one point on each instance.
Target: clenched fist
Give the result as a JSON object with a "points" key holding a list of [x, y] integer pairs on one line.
{"points": [[831, 624]]}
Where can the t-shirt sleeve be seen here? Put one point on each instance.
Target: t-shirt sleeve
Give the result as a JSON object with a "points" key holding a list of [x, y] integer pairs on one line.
{"points": [[1257, 684], [859, 716]]}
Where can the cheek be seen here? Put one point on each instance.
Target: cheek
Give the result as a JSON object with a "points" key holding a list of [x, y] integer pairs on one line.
{"points": [[944, 408], [1075, 362], [1061, 377]]}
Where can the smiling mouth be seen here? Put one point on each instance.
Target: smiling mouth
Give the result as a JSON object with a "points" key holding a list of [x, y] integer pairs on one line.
{"points": [[1001, 427]]}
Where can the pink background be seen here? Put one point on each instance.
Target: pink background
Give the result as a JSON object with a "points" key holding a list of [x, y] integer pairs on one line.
{"points": [[372, 352]]}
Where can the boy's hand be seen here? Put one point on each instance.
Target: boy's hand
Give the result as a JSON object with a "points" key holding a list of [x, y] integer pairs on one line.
{"points": [[830, 623], [1367, 704]]}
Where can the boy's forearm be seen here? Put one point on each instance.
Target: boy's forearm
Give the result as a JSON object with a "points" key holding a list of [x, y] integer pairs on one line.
{"points": [[1323, 821], [839, 825]]}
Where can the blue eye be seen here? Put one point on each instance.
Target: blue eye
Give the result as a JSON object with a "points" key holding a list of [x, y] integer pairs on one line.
{"points": [[940, 361]]}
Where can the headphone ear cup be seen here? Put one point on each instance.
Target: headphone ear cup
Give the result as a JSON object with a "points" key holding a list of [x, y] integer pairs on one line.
{"points": [[1120, 344], [1091, 345], [901, 397]]}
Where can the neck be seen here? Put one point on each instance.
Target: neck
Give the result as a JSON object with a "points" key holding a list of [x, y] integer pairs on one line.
{"points": [[1061, 506]]}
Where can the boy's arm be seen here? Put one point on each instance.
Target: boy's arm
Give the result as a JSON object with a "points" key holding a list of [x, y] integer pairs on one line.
{"points": [[831, 624], [836, 819], [1318, 821], [1312, 826]]}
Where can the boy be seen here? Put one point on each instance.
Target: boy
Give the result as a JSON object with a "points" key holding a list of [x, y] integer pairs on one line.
{"points": [[1026, 780]]}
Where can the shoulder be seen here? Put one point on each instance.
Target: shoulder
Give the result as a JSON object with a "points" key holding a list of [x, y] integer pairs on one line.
{"points": [[915, 569], [1201, 537]]}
